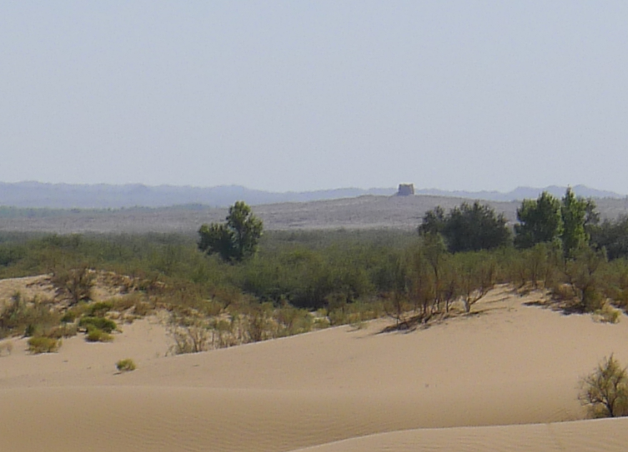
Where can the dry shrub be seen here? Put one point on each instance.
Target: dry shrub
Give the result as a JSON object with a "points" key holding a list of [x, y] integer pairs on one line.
{"points": [[222, 331], [397, 306], [320, 323], [74, 285], [607, 314], [563, 292], [190, 333], [257, 322], [291, 321], [27, 317], [356, 312], [137, 303], [605, 391]]}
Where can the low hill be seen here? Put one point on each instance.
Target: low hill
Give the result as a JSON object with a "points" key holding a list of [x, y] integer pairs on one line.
{"points": [[364, 212]]}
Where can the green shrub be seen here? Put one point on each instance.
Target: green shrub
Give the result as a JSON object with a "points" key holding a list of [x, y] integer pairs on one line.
{"points": [[99, 309], [42, 344], [97, 335], [69, 317], [106, 325], [126, 365]]}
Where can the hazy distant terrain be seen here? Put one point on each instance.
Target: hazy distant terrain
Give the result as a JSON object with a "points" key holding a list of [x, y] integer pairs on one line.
{"points": [[365, 212], [62, 208], [102, 196]]}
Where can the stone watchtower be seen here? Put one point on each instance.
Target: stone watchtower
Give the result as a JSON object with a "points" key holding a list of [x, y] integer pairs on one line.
{"points": [[405, 190]]}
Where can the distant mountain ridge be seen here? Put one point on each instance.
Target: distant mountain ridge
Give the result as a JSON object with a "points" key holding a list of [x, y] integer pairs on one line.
{"points": [[106, 196]]}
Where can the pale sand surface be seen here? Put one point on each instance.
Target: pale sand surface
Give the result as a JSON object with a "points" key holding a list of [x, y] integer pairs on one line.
{"points": [[505, 379]]}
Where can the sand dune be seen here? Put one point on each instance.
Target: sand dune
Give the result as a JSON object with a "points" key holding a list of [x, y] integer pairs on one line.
{"points": [[503, 379], [582, 436]]}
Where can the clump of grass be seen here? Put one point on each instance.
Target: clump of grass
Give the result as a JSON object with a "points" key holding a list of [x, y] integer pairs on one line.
{"points": [[97, 335], [100, 323], [126, 365], [42, 344]]}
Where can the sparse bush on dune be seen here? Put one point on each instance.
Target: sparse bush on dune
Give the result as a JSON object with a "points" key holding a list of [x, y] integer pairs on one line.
{"points": [[605, 391], [101, 323], [97, 335], [42, 344], [291, 321], [74, 285], [190, 333], [607, 314], [126, 365]]}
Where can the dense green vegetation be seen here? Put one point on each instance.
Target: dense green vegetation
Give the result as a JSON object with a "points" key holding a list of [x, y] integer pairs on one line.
{"points": [[468, 227], [300, 280]]}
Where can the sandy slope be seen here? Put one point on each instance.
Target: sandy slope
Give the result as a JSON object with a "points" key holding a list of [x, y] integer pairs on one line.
{"points": [[512, 367]]}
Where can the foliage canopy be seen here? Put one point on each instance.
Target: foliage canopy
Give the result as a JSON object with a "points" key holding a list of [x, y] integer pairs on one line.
{"points": [[468, 227], [540, 221], [235, 240]]}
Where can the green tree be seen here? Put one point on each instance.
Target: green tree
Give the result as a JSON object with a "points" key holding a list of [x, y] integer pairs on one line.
{"points": [[475, 227], [612, 236], [540, 221], [234, 240], [574, 213], [433, 221]]}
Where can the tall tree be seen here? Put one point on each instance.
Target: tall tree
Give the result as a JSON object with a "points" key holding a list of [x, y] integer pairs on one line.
{"points": [[235, 240], [540, 221], [574, 214]]}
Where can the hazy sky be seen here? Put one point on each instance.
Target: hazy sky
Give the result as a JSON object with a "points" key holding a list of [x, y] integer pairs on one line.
{"points": [[301, 95]]}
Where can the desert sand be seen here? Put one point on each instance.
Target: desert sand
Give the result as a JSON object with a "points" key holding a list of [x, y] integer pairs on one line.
{"points": [[505, 378]]}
